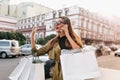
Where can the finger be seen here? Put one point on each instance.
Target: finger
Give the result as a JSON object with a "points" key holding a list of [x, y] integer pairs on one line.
{"points": [[33, 28]]}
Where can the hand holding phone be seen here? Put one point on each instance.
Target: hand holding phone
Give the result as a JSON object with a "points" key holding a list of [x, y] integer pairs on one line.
{"points": [[65, 29]]}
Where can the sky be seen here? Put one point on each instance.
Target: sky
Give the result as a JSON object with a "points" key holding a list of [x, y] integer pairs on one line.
{"points": [[104, 7]]}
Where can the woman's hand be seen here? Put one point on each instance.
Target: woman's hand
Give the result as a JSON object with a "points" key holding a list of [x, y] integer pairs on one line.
{"points": [[65, 29], [72, 42], [32, 37], [34, 30]]}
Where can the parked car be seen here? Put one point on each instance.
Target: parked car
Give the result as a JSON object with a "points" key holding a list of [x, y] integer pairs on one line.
{"points": [[9, 48], [114, 47], [117, 52], [106, 50], [26, 49]]}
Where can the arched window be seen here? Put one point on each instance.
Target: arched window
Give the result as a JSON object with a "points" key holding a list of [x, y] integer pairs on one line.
{"points": [[33, 19], [60, 13], [66, 11], [54, 14]]}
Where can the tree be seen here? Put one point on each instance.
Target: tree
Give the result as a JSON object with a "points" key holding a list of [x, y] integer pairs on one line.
{"points": [[20, 37], [43, 41], [13, 35]]}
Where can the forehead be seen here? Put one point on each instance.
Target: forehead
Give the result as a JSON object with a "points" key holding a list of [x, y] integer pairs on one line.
{"points": [[61, 19]]}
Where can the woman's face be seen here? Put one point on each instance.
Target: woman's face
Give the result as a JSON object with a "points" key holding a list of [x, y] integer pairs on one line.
{"points": [[58, 25]]}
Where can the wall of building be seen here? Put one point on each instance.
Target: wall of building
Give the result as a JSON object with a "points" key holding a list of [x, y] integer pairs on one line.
{"points": [[8, 24], [4, 7], [22, 10], [88, 25]]}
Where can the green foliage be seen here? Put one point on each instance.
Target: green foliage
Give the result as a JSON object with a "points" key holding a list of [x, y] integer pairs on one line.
{"points": [[43, 41], [13, 35]]}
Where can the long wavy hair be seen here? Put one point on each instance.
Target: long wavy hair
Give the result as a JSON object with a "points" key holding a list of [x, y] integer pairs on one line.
{"points": [[72, 34]]}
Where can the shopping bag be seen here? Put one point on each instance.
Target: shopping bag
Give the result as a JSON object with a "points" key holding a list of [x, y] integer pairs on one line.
{"points": [[18, 70], [28, 69], [37, 69], [25, 73], [37, 72], [79, 65]]}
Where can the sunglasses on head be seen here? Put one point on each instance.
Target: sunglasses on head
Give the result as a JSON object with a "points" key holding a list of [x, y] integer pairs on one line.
{"points": [[58, 23]]}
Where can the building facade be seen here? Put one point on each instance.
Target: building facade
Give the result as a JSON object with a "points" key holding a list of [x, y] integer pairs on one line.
{"points": [[8, 24], [22, 10], [88, 25], [28, 9], [4, 7]]}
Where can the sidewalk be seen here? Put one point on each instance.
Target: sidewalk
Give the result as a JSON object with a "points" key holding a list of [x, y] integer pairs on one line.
{"points": [[108, 74], [110, 62], [109, 68]]}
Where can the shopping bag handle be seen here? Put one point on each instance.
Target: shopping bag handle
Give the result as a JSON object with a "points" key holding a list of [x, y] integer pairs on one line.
{"points": [[76, 51], [36, 59], [73, 51]]}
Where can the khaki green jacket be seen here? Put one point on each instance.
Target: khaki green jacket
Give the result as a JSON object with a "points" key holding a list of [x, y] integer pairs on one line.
{"points": [[54, 53]]}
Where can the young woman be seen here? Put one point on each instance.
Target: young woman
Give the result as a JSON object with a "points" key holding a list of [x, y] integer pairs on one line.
{"points": [[65, 39]]}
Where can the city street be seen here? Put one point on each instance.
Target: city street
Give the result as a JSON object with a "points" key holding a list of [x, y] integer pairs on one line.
{"points": [[109, 61], [8, 65], [28, 25]]}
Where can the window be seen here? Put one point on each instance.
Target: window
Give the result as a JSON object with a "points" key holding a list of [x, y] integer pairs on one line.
{"points": [[37, 24], [24, 27], [42, 23], [33, 19], [4, 43], [24, 13], [82, 22], [38, 17], [24, 21], [28, 46], [41, 35], [54, 14], [29, 20], [36, 37], [95, 27], [28, 26], [66, 11], [13, 44], [33, 25], [43, 16], [21, 21], [87, 24], [60, 12]]}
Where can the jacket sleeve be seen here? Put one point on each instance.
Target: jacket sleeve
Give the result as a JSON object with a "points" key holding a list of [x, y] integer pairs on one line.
{"points": [[43, 50]]}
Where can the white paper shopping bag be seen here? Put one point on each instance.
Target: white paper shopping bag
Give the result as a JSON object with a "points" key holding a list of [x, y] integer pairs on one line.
{"points": [[26, 70], [79, 66], [18, 70], [37, 72]]}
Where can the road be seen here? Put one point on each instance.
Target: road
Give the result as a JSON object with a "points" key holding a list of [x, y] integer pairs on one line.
{"points": [[109, 61], [7, 66]]}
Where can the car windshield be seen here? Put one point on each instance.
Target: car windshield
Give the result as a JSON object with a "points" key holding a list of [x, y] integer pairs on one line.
{"points": [[29, 46]]}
